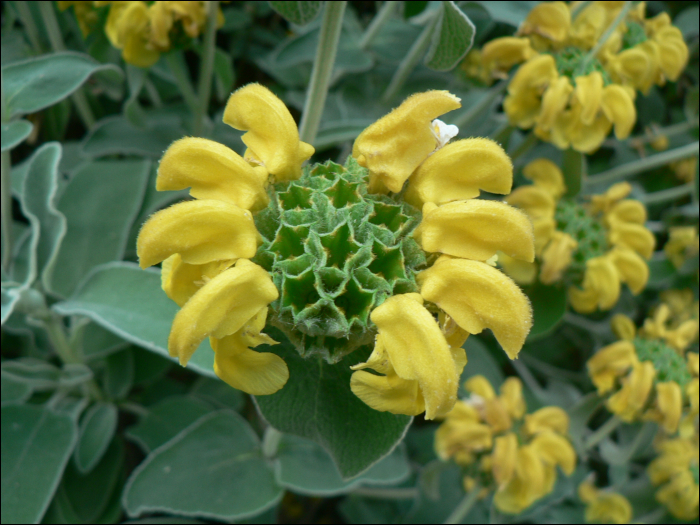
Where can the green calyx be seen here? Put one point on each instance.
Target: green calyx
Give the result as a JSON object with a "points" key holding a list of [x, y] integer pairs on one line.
{"points": [[587, 231], [335, 253], [696, 473], [669, 365], [635, 35], [568, 62]]}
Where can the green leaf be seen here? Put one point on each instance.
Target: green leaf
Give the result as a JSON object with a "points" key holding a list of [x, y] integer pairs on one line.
{"points": [[97, 429], [224, 75], [574, 169], [548, 307], [119, 374], [38, 205], [305, 468], [452, 39], [40, 82], [218, 393], [10, 296], [83, 498], [165, 420], [98, 342], [299, 13], [411, 9], [13, 133], [317, 404], [129, 302], [13, 391], [213, 469], [509, 12], [100, 204], [116, 135], [36, 373], [480, 362], [36, 445]]}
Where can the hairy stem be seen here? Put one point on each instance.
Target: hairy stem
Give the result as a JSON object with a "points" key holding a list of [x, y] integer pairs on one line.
{"points": [[465, 506], [177, 66], [377, 22], [207, 68], [669, 194], [604, 38], [602, 432]]}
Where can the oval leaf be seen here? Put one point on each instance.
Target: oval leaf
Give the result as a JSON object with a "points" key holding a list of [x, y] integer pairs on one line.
{"points": [[15, 132], [452, 39], [96, 431]]}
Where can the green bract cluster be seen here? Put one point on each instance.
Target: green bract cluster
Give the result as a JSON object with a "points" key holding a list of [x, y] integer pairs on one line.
{"points": [[588, 232], [568, 62], [669, 365], [335, 253]]}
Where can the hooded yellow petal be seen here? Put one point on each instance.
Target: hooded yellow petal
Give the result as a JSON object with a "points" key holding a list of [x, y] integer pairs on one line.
{"points": [[611, 362], [550, 20], [534, 75], [628, 210], [589, 91], [512, 397], [520, 271], [418, 351], [527, 484], [609, 508], [546, 175], [212, 171], [633, 270], [623, 327], [459, 170], [395, 145], [604, 203], [533, 200], [504, 457], [618, 106], [668, 406], [221, 307], [478, 296], [459, 439], [180, 280], [555, 450], [501, 54], [388, 393], [272, 135], [480, 386], [547, 419], [601, 286], [629, 401], [556, 257], [476, 229], [256, 373], [633, 236], [200, 231], [554, 101]]}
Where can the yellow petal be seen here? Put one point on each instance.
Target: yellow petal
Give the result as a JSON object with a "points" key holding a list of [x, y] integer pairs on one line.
{"points": [[601, 286], [555, 450], [632, 397], [200, 231], [526, 485], [501, 54], [609, 508], [459, 439], [550, 20], [398, 396], [554, 101], [221, 307], [604, 203], [418, 351], [272, 134], [533, 200], [547, 419], [504, 457], [632, 268], [628, 210], [256, 373], [534, 75], [212, 171], [618, 106], [459, 170], [512, 397], [476, 229], [520, 271], [480, 386], [609, 363], [478, 296], [180, 280], [623, 327], [556, 257], [633, 236], [546, 175], [395, 145], [668, 406], [589, 91]]}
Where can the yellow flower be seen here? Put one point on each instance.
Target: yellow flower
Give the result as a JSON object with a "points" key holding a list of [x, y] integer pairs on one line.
{"points": [[511, 452], [682, 244], [604, 506], [675, 469]]}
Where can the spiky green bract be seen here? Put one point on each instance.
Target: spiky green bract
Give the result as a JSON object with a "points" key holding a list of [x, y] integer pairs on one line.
{"points": [[335, 253], [588, 232], [668, 363]]}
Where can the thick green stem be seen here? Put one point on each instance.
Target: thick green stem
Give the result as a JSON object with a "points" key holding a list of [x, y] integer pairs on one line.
{"points": [[379, 20], [177, 66], [668, 131], [604, 38], [206, 69], [382, 493], [30, 28], [668, 195], [59, 339], [152, 93], [602, 432], [410, 61], [474, 111], [653, 161], [465, 506], [271, 442], [54, 33], [331, 26]]}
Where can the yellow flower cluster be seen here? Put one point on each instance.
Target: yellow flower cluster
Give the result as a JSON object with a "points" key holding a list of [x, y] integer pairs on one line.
{"points": [[143, 30], [683, 244], [646, 375], [604, 506], [593, 248], [569, 96], [503, 448], [206, 245], [676, 470]]}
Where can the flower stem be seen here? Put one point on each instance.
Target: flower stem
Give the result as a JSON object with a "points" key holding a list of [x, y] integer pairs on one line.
{"points": [[410, 61], [604, 38], [669, 194], [469, 116], [30, 28], [59, 340], [206, 69], [178, 68], [377, 22], [465, 506], [323, 68], [652, 161], [54, 33], [602, 432]]}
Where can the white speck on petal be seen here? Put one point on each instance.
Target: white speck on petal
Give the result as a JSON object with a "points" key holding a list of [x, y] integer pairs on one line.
{"points": [[443, 132]]}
